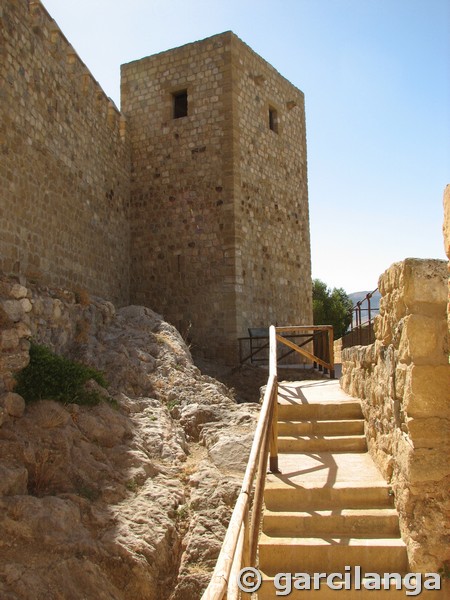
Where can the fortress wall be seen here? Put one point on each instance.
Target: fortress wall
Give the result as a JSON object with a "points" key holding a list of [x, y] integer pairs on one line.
{"points": [[182, 221], [403, 380], [64, 166], [219, 209], [272, 217]]}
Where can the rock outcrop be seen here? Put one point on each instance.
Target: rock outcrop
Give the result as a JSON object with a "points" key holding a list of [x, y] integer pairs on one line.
{"points": [[130, 498]]}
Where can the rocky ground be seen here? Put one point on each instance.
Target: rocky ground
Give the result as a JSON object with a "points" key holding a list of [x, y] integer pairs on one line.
{"points": [[116, 502], [246, 381]]}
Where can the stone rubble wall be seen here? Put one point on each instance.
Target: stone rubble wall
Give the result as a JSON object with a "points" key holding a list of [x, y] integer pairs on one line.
{"points": [[64, 169], [403, 381], [53, 317]]}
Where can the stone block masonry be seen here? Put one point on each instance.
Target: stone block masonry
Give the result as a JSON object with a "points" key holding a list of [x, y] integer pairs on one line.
{"points": [[219, 219], [192, 201], [64, 162], [403, 380]]}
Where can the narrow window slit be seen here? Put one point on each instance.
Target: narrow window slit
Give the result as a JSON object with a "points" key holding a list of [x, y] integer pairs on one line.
{"points": [[180, 104]]}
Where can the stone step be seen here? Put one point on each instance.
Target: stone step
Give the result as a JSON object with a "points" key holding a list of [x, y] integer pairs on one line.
{"points": [[333, 427], [279, 495], [320, 443], [324, 412], [268, 591], [366, 522], [331, 554]]}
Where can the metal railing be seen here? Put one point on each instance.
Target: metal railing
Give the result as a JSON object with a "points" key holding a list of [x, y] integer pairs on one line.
{"points": [[239, 548], [361, 328]]}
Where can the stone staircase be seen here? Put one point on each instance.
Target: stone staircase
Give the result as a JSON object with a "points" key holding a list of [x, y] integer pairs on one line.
{"points": [[329, 508]]}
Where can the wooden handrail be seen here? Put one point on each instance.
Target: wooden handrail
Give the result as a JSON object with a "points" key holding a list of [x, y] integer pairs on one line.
{"points": [[241, 539], [326, 343], [229, 552]]}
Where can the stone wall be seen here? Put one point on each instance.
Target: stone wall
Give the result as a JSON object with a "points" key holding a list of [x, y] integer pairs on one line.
{"points": [[64, 169], [203, 217], [55, 317], [220, 227], [273, 265], [182, 220], [403, 380]]}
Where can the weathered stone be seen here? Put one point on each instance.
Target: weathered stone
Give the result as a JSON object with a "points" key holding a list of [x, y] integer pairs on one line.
{"points": [[13, 480], [430, 433], [232, 453], [23, 330], [18, 291], [9, 340], [13, 403], [429, 464], [97, 476], [424, 289], [427, 392], [423, 340], [26, 305], [3, 416], [404, 383], [14, 309]]}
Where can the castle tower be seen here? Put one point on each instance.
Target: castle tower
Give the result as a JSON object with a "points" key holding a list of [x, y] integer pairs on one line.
{"points": [[219, 205]]}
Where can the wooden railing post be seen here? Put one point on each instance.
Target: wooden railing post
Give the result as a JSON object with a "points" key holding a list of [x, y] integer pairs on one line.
{"points": [[320, 349], [273, 461], [326, 352], [331, 351]]}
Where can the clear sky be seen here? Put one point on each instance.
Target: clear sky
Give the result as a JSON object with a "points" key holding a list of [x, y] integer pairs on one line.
{"points": [[376, 78]]}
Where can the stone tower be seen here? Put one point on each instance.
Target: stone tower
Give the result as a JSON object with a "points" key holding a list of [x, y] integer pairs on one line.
{"points": [[219, 203]]}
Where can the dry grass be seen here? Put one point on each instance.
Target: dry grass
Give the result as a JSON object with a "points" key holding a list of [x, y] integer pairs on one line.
{"points": [[82, 332], [51, 417], [42, 476], [82, 297]]}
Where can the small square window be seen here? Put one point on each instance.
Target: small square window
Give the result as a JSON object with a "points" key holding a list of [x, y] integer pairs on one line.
{"points": [[273, 119], [180, 104]]}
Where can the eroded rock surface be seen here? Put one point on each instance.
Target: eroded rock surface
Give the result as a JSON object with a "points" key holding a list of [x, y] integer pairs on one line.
{"points": [[113, 502]]}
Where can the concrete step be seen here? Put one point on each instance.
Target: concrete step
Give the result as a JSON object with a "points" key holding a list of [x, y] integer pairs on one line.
{"points": [[320, 443], [331, 554], [279, 496], [362, 522], [268, 591], [325, 411], [334, 427]]}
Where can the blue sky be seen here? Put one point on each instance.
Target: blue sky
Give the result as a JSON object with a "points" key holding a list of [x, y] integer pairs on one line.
{"points": [[376, 78]]}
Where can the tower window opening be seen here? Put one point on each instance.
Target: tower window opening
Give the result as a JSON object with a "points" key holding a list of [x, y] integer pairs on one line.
{"points": [[180, 104], [273, 119]]}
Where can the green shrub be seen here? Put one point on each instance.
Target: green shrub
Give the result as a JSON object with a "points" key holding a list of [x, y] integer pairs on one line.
{"points": [[52, 377]]}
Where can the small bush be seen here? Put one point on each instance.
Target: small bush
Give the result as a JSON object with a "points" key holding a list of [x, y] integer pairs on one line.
{"points": [[52, 377]]}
